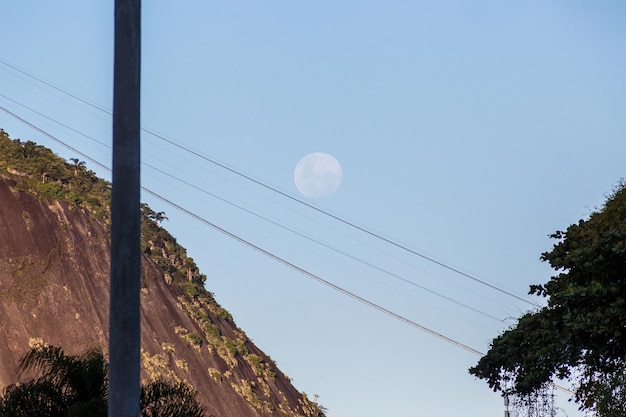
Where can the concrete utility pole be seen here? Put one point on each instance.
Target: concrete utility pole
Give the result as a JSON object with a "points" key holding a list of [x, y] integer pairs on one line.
{"points": [[507, 410], [124, 316]]}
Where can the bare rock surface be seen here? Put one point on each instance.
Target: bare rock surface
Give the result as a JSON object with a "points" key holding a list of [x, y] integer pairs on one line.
{"points": [[54, 279]]}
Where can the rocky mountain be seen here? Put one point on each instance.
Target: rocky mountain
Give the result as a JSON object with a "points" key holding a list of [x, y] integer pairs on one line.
{"points": [[54, 277]]}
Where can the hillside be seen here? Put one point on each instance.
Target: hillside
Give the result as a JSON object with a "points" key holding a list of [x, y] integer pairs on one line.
{"points": [[54, 277]]}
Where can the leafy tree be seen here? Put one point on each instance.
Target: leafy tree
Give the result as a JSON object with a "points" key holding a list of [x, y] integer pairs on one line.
{"points": [[76, 386], [580, 334]]}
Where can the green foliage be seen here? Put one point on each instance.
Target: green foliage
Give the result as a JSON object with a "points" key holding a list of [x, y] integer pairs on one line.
{"points": [[190, 289], [260, 367], [211, 330], [162, 247], [580, 334], [42, 173], [227, 348], [236, 347], [52, 191], [231, 347], [194, 339], [215, 374], [255, 360], [76, 386], [37, 170], [222, 313]]}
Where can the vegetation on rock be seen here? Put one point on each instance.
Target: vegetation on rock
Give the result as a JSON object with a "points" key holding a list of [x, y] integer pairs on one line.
{"points": [[37, 170], [45, 175]]}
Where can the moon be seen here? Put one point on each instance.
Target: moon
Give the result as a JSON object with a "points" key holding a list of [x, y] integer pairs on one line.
{"points": [[318, 175]]}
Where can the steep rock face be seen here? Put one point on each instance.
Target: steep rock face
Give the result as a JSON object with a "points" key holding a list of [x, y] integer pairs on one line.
{"points": [[54, 277]]}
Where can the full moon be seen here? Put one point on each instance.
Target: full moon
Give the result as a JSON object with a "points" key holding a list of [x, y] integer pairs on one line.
{"points": [[317, 175]]}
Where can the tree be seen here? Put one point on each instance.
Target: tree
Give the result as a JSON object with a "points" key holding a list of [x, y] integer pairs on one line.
{"points": [[76, 386], [32, 399], [580, 334], [68, 385], [152, 215], [190, 265], [77, 164]]}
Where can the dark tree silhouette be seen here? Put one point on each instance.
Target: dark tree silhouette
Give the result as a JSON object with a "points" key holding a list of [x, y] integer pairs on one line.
{"points": [[579, 335], [76, 386], [159, 399], [67, 385]]}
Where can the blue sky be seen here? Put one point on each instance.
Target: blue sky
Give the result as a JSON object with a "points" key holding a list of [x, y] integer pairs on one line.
{"points": [[467, 132]]}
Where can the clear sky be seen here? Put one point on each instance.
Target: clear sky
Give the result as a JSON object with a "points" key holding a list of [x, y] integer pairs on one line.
{"points": [[467, 132]]}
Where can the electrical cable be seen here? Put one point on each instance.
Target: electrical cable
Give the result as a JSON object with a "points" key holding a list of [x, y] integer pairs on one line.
{"points": [[258, 248], [55, 121], [278, 258], [302, 235], [290, 197], [371, 265], [337, 218]]}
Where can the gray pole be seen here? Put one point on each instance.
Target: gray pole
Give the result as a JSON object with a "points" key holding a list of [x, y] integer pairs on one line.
{"points": [[124, 330]]}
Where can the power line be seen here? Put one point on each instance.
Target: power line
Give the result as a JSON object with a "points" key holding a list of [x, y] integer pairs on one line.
{"points": [[369, 264], [278, 258], [259, 249], [312, 275], [326, 282], [337, 218], [49, 84], [55, 121], [290, 197]]}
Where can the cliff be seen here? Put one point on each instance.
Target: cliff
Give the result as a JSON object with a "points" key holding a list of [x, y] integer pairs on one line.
{"points": [[54, 277]]}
